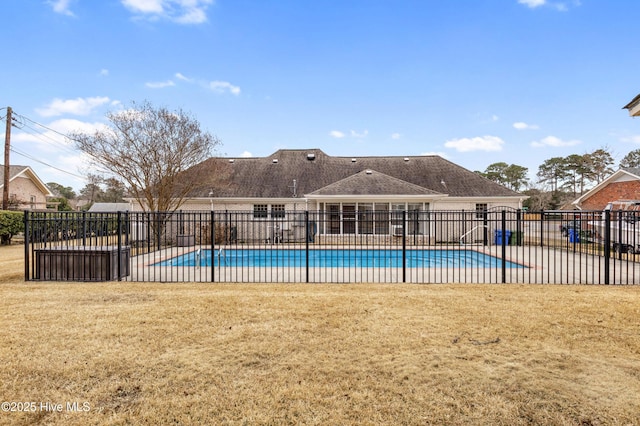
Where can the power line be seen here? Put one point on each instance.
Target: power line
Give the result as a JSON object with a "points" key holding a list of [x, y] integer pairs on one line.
{"points": [[45, 138], [48, 128], [21, 121], [24, 154]]}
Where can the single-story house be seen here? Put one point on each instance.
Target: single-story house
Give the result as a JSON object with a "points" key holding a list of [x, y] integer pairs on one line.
{"points": [[26, 190], [343, 191], [624, 184], [309, 179]]}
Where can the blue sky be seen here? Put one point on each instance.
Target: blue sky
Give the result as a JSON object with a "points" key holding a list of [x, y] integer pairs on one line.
{"points": [[476, 81]]}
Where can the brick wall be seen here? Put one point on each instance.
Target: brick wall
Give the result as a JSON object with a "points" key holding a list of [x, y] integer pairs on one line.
{"points": [[629, 190]]}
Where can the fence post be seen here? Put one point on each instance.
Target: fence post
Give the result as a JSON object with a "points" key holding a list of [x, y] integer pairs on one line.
{"points": [[485, 228], [306, 244], [27, 237], [213, 243], [127, 229], [542, 228], [84, 228], [621, 247], [519, 237], [504, 246], [159, 224], [404, 246], [119, 227], [607, 245]]}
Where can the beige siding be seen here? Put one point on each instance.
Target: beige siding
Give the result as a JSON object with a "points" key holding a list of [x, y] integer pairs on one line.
{"points": [[24, 189]]}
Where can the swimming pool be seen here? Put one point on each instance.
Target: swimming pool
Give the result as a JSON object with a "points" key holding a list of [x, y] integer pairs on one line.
{"points": [[337, 258]]}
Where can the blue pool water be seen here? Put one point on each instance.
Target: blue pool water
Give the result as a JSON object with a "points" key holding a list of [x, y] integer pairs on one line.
{"points": [[360, 258]]}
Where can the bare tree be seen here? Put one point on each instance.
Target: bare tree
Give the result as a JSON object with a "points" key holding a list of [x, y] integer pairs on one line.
{"points": [[148, 148]]}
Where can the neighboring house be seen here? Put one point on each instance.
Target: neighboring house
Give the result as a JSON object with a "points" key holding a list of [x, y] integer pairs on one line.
{"points": [[26, 190], [624, 184], [633, 107]]}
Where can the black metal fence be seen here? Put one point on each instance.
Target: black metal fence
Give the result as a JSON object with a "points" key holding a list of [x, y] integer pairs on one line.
{"points": [[500, 246]]}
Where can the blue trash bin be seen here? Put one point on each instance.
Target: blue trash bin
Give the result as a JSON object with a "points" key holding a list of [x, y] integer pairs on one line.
{"points": [[498, 237], [574, 235]]}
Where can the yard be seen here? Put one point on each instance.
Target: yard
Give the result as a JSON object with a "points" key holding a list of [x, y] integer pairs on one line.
{"points": [[187, 353]]}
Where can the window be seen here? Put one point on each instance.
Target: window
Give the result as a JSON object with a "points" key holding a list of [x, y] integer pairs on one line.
{"points": [[348, 218], [260, 211], [333, 213], [414, 219], [277, 211], [365, 218], [481, 211], [381, 219]]}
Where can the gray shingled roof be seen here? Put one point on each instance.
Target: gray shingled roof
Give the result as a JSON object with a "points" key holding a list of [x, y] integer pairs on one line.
{"points": [[109, 207], [13, 171], [273, 176], [371, 182]]}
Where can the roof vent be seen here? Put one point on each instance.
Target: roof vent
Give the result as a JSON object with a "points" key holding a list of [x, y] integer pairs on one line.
{"points": [[353, 160], [311, 157], [406, 159], [368, 172], [275, 160], [231, 160]]}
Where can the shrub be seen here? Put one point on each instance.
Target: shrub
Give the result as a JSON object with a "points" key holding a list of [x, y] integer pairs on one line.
{"points": [[11, 223]]}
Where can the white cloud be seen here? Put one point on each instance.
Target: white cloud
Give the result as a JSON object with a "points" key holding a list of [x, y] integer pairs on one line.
{"points": [[562, 6], [353, 134], [192, 16], [52, 140], [69, 125], [524, 126], [180, 11], [246, 154], [484, 143], [224, 86], [160, 84], [216, 85], [631, 139], [532, 3], [104, 72], [144, 6], [78, 106], [554, 142], [395, 136], [62, 7]]}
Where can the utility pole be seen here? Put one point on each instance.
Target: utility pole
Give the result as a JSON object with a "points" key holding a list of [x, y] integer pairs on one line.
{"points": [[7, 145]]}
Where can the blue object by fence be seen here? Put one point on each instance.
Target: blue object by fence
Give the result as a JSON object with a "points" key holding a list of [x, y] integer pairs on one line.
{"points": [[499, 235], [574, 235]]}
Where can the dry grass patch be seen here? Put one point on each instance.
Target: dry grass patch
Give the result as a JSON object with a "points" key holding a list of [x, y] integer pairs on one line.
{"points": [[11, 263], [321, 354]]}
